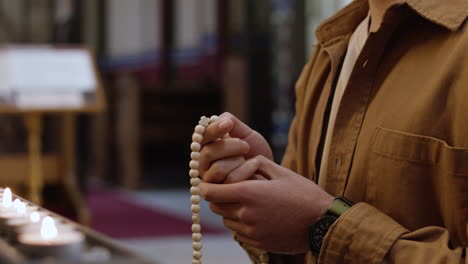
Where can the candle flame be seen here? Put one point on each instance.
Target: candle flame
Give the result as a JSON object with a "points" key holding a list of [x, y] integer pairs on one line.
{"points": [[16, 203], [6, 201], [48, 228], [35, 217], [21, 209]]}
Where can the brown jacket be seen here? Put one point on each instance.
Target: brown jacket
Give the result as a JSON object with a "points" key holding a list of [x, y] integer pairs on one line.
{"points": [[400, 145]]}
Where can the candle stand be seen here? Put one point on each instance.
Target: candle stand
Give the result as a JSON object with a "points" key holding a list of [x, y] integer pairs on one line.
{"points": [[93, 248]]}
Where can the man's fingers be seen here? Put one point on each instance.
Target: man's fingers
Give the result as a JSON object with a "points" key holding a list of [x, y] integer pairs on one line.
{"points": [[227, 123], [239, 129], [269, 169], [217, 130], [253, 138], [244, 239], [229, 147], [243, 172], [221, 193], [220, 169], [258, 177], [228, 210], [236, 226]]}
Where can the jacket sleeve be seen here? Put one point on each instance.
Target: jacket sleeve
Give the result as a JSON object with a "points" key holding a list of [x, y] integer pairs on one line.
{"points": [[366, 235]]}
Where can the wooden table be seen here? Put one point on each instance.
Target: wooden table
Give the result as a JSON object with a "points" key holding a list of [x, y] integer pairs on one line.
{"points": [[35, 169], [59, 167]]}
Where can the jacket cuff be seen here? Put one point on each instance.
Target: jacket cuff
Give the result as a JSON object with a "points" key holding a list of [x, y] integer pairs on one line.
{"points": [[362, 235]]}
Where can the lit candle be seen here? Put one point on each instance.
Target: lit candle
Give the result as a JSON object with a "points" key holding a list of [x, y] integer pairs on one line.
{"points": [[29, 223], [50, 242], [35, 227], [6, 199], [16, 203], [48, 229], [9, 209]]}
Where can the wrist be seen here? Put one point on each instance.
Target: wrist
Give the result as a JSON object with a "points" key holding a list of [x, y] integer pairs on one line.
{"points": [[317, 207], [325, 205]]}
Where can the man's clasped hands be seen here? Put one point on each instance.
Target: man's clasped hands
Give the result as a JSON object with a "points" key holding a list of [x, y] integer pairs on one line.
{"points": [[266, 205]]}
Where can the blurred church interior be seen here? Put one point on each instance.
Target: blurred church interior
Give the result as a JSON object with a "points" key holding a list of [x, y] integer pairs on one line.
{"points": [[115, 158]]}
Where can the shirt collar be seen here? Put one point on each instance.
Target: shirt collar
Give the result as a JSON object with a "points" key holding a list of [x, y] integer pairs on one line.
{"points": [[448, 13]]}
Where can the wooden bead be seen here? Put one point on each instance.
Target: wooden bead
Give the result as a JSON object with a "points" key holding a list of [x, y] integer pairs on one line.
{"points": [[200, 129], [195, 181], [196, 228], [214, 118], [204, 121], [197, 137], [196, 237], [195, 155], [197, 254], [195, 199], [194, 164], [196, 218], [197, 246], [194, 173], [195, 190], [195, 146], [195, 208]]}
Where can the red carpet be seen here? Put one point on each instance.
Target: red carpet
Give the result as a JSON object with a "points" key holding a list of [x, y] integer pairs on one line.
{"points": [[117, 216]]}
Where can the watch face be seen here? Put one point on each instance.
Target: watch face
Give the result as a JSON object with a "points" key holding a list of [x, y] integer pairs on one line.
{"points": [[318, 231]]}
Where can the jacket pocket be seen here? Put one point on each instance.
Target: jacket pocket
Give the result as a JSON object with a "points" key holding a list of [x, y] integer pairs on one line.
{"points": [[419, 181]]}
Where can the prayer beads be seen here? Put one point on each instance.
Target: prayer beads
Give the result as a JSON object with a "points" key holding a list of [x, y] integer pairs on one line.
{"points": [[197, 138], [195, 198]]}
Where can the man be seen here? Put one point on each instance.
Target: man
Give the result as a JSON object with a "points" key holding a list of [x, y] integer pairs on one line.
{"points": [[381, 119]]}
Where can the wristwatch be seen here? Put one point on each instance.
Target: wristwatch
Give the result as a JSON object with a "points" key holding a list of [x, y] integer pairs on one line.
{"points": [[319, 229]]}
